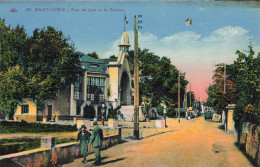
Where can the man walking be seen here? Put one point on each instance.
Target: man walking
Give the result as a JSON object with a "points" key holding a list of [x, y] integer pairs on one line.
{"points": [[83, 138], [96, 140]]}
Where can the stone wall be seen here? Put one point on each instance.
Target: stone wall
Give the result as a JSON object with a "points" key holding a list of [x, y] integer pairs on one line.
{"points": [[60, 154], [250, 142]]}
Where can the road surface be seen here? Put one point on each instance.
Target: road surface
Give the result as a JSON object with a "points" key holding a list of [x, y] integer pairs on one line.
{"points": [[190, 143]]}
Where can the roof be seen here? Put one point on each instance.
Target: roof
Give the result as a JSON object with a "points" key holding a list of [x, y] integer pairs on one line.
{"points": [[93, 65], [87, 58], [109, 60]]}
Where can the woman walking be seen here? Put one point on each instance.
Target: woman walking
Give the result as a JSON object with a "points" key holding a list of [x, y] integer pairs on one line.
{"points": [[83, 138]]}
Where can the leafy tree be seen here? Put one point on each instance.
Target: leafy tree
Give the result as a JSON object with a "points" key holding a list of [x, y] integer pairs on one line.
{"points": [[112, 56], [190, 98], [245, 72], [12, 78], [36, 67], [217, 98], [51, 64], [158, 78], [13, 87], [94, 55]]}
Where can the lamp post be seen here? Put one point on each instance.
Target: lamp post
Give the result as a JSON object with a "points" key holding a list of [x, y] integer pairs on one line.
{"points": [[103, 114], [164, 114]]}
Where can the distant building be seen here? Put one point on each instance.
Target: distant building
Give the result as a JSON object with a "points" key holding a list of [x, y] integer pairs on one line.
{"points": [[102, 83]]}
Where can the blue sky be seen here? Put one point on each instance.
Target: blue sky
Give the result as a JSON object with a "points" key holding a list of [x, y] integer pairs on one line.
{"points": [[218, 29]]}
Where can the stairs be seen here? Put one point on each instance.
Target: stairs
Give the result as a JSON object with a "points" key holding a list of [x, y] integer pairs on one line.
{"points": [[128, 113]]}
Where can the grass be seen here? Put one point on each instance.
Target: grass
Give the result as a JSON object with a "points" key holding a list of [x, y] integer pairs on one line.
{"points": [[25, 127], [10, 146]]}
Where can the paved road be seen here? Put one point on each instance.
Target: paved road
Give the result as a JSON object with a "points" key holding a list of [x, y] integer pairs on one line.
{"points": [[192, 143]]}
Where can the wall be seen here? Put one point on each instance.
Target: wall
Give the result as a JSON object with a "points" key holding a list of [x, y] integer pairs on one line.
{"points": [[250, 142], [113, 72], [62, 103], [29, 117], [60, 154]]}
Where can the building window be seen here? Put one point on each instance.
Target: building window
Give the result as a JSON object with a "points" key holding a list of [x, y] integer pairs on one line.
{"points": [[96, 89], [78, 88], [78, 109], [94, 65], [25, 109]]}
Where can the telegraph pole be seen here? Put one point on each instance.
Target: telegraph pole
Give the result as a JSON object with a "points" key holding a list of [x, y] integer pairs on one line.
{"points": [[190, 94], [179, 95], [136, 84], [225, 67]]}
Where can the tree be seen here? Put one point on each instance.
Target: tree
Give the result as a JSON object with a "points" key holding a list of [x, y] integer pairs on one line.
{"points": [[51, 64], [158, 78], [12, 78], [41, 65], [217, 98], [94, 55], [245, 72], [190, 98], [13, 87]]}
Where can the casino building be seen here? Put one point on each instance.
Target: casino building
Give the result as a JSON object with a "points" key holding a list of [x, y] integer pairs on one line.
{"points": [[103, 83]]}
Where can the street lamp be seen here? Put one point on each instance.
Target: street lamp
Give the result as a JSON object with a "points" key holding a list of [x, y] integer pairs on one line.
{"points": [[164, 114], [103, 114]]}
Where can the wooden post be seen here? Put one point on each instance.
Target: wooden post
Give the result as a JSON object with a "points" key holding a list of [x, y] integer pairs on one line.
{"points": [[136, 84]]}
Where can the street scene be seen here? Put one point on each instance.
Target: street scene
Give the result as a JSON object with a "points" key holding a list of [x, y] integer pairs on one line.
{"points": [[190, 143], [149, 83]]}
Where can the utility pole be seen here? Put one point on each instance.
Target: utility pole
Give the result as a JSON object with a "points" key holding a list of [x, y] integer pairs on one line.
{"points": [[190, 94], [225, 67], [179, 95], [136, 84]]}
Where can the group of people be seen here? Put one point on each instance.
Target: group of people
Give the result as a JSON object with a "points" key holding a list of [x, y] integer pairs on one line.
{"points": [[95, 139]]}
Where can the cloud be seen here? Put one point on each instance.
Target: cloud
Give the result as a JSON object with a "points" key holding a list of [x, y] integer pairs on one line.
{"points": [[226, 34], [194, 53]]}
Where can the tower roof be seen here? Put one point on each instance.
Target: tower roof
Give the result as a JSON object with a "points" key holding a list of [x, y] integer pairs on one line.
{"points": [[124, 39]]}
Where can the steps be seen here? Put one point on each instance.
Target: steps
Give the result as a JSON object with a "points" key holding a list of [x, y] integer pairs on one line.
{"points": [[128, 113]]}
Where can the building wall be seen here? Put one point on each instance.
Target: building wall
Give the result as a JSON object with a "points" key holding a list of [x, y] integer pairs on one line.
{"points": [[113, 73], [62, 103], [73, 103], [107, 88], [125, 68], [31, 116]]}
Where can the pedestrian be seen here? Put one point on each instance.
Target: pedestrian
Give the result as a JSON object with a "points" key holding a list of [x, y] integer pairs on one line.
{"points": [[83, 138], [96, 141]]}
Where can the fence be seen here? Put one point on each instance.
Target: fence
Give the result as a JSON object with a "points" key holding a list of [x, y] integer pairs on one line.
{"points": [[58, 154]]}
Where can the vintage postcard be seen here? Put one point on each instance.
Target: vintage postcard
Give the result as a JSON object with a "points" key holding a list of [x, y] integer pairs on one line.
{"points": [[129, 83]]}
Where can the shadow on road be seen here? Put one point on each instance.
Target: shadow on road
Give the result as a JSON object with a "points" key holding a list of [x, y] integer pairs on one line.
{"points": [[157, 134], [222, 127], [93, 159], [112, 161]]}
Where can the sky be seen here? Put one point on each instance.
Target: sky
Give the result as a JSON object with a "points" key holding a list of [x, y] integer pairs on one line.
{"points": [[217, 31]]}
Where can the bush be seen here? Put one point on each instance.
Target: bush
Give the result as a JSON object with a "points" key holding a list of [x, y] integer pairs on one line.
{"points": [[9, 146], [112, 113], [23, 126]]}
